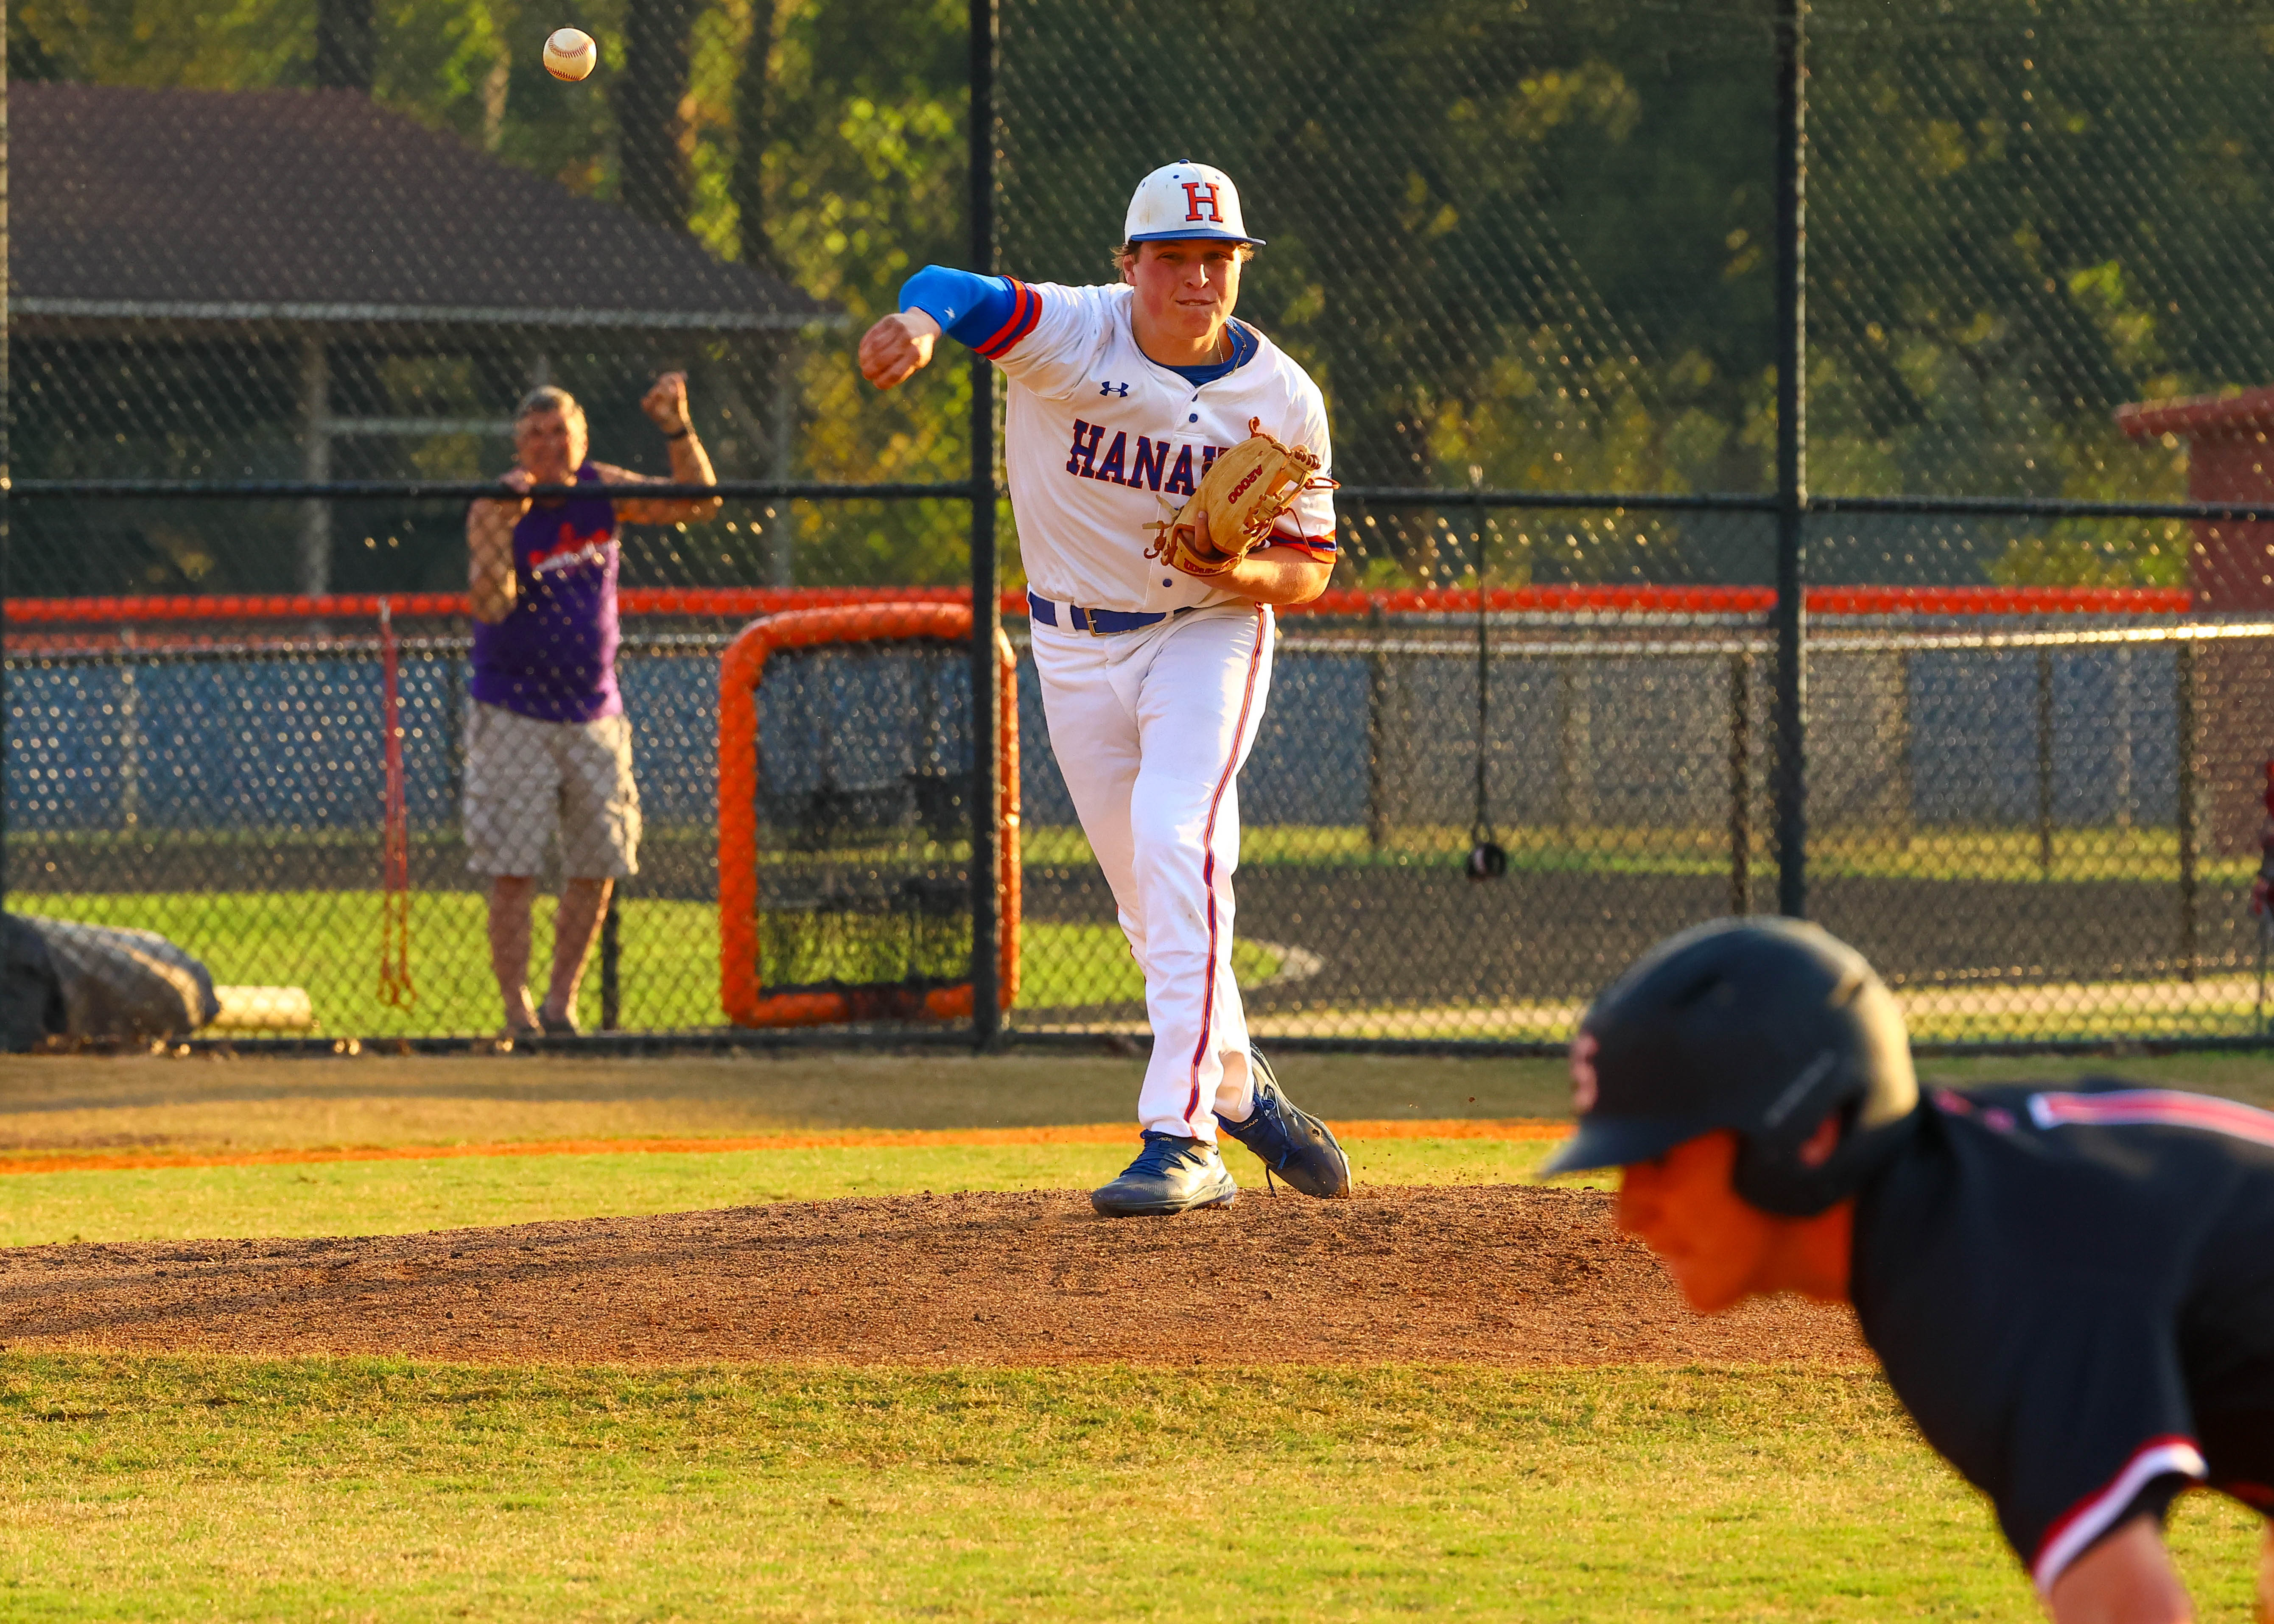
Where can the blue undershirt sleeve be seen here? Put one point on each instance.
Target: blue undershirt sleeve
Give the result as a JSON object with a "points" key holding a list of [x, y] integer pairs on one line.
{"points": [[969, 308]]}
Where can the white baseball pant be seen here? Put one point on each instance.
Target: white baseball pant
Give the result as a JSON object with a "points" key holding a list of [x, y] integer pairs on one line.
{"points": [[1150, 729]]}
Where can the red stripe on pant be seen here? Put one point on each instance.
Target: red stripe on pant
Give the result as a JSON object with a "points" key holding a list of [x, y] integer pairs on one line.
{"points": [[1208, 863]]}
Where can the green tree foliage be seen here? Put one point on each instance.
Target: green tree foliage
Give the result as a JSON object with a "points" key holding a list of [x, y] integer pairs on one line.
{"points": [[1524, 243], [1515, 245], [2020, 218], [232, 45]]}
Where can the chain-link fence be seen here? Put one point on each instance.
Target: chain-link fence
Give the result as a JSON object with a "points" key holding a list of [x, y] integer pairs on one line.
{"points": [[279, 279], [2028, 821]]}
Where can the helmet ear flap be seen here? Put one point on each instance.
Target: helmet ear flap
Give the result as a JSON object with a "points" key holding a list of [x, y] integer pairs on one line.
{"points": [[1771, 1172]]}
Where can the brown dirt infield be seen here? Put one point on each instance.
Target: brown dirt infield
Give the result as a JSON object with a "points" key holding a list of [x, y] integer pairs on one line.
{"points": [[1497, 1275]]}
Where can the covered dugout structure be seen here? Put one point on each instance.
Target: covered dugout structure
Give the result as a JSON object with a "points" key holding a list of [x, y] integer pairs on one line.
{"points": [[297, 284]]}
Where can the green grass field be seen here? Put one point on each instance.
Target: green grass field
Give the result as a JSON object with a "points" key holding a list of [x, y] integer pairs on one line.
{"points": [[1889, 851], [163, 1487], [90, 1105], [2213, 1005], [404, 1197], [1924, 853], [160, 1488], [327, 942]]}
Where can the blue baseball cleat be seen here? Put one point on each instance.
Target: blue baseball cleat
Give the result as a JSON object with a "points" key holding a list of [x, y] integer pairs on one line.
{"points": [[1290, 1142], [1170, 1175]]}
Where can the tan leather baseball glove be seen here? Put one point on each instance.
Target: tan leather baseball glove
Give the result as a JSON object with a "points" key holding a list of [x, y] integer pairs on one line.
{"points": [[1242, 495]]}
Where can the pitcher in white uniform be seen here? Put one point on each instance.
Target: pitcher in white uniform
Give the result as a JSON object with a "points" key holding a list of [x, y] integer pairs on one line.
{"points": [[1154, 681]]}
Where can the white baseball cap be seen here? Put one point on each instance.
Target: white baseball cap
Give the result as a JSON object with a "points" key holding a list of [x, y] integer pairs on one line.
{"points": [[1186, 199]]}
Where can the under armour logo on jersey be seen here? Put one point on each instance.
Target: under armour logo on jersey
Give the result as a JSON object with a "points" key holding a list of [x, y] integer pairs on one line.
{"points": [[1200, 194], [1110, 389]]}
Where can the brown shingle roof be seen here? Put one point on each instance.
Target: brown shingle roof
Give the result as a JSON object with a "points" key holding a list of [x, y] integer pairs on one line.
{"points": [[320, 206]]}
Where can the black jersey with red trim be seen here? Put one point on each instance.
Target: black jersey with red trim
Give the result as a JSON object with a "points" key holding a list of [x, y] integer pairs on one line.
{"points": [[2072, 1291]]}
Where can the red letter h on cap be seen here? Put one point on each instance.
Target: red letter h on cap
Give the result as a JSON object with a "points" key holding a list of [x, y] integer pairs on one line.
{"points": [[1195, 201]]}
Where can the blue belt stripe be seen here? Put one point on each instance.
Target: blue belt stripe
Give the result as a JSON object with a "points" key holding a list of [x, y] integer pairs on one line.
{"points": [[1105, 622]]}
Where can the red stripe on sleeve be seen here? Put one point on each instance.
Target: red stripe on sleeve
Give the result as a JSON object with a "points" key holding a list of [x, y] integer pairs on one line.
{"points": [[1322, 546], [1025, 310]]}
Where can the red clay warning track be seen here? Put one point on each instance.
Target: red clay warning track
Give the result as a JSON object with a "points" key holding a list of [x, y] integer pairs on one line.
{"points": [[1498, 1274]]}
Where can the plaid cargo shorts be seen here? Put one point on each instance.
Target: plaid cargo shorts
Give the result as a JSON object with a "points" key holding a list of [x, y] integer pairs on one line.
{"points": [[527, 780]]}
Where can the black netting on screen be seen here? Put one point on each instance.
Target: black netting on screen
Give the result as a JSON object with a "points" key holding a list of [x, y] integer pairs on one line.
{"points": [[864, 820]]}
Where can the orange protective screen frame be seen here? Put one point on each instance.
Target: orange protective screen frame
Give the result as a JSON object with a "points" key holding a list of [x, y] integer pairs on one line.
{"points": [[742, 983]]}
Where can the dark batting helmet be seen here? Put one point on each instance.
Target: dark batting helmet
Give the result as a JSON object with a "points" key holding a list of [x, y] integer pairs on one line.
{"points": [[1765, 1026]]}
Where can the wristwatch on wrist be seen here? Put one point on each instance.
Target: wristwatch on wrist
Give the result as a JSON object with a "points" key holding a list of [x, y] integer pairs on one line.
{"points": [[682, 433]]}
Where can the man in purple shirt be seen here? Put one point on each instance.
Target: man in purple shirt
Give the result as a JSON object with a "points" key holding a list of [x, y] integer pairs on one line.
{"points": [[548, 749]]}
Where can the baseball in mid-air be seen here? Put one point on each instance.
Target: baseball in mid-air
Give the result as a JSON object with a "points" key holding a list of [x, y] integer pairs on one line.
{"points": [[570, 54]]}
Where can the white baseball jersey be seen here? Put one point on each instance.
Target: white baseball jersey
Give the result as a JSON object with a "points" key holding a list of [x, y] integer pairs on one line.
{"points": [[1100, 442]]}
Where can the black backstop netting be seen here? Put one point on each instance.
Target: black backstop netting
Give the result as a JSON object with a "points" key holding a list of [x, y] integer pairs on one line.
{"points": [[864, 819]]}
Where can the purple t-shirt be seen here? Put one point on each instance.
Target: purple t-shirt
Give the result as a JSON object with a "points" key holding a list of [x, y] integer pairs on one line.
{"points": [[554, 656]]}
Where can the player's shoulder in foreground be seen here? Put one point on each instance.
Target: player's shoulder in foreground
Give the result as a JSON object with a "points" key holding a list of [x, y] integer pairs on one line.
{"points": [[1096, 299], [2091, 1114], [2085, 1173], [1049, 322]]}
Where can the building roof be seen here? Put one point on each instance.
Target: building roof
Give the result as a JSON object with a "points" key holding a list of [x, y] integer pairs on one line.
{"points": [[320, 206], [2249, 411]]}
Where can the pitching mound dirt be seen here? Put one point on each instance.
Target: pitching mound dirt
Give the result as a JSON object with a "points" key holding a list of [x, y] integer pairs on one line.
{"points": [[1496, 1276]]}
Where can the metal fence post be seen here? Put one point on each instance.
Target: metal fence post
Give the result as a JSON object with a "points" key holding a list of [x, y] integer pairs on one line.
{"points": [[1790, 705], [2046, 763], [2183, 665], [454, 727], [6, 482], [781, 518], [986, 609], [1482, 830], [2123, 679], [1906, 779], [1741, 784], [610, 984], [1377, 734], [130, 736], [315, 464]]}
